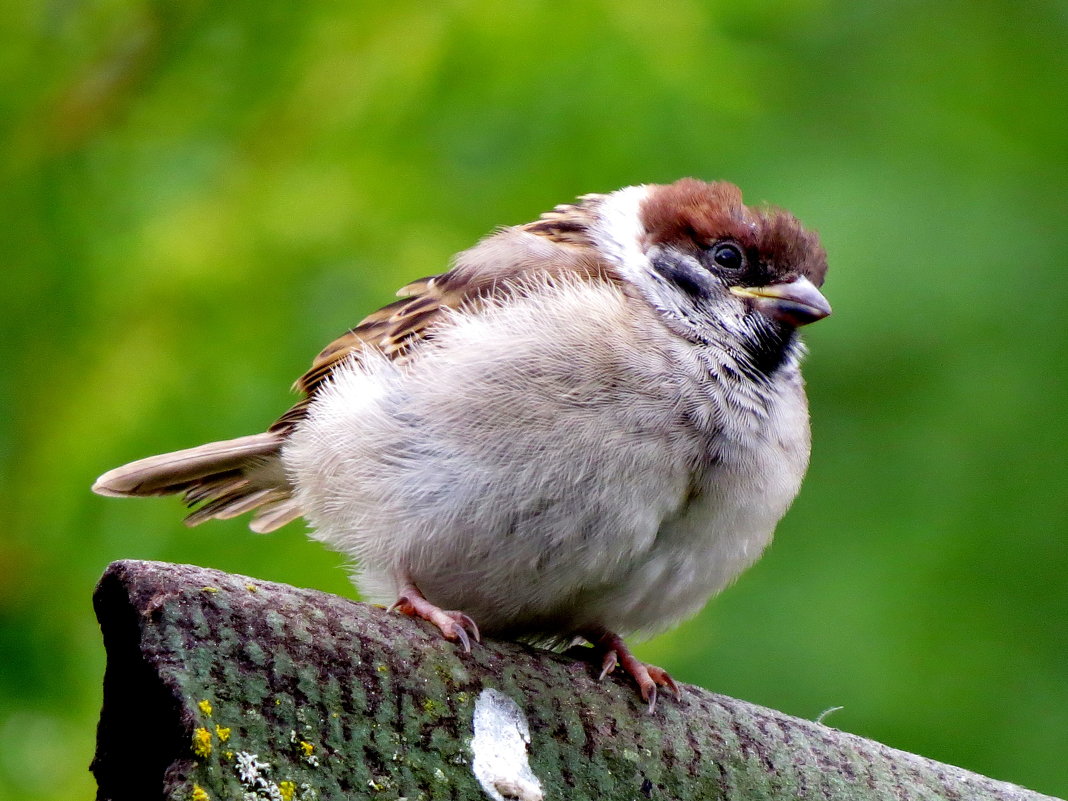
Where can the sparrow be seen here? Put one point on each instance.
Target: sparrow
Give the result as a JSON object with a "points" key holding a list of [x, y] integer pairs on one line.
{"points": [[583, 430]]}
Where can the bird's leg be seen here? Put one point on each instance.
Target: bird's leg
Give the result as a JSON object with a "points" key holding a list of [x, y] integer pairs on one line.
{"points": [[453, 625], [615, 652]]}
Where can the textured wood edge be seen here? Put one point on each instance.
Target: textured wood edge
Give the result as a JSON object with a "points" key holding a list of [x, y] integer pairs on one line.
{"points": [[221, 686]]}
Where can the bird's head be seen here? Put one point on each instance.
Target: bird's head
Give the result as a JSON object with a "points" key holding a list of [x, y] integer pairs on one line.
{"points": [[718, 271]]}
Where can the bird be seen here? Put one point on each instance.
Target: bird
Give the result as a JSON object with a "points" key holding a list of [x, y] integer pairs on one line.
{"points": [[582, 430]]}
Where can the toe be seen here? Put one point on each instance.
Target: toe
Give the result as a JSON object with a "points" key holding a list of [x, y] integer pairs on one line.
{"points": [[402, 605], [454, 626], [647, 677], [661, 677]]}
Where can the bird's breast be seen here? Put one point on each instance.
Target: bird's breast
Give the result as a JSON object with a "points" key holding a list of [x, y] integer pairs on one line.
{"points": [[555, 462]]}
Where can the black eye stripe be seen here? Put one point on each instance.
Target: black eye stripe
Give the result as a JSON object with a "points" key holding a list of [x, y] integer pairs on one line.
{"points": [[691, 279]]}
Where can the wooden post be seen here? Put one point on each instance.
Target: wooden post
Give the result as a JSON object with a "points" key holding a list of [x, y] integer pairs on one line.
{"points": [[226, 687]]}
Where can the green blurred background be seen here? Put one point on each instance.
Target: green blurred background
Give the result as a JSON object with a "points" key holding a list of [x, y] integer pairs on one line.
{"points": [[196, 196]]}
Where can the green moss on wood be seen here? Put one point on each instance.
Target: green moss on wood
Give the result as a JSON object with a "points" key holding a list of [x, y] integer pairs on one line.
{"points": [[224, 687]]}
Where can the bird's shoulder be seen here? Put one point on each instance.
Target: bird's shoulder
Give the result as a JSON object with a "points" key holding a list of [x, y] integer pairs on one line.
{"points": [[501, 266]]}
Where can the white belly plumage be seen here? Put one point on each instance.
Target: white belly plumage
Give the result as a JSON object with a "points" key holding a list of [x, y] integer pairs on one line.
{"points": [[542, 486]]}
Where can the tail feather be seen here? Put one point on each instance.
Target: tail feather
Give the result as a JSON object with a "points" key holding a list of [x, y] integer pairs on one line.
{"points": [[274, 515], [173, 472], [210, 488], [227, 478], [234, 503]]}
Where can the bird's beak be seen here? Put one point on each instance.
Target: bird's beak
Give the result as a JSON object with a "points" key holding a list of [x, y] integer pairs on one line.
{"points": [[797, 302]]}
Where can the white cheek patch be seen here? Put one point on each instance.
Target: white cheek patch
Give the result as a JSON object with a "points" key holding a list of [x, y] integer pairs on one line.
{"points": [[619, 231]]}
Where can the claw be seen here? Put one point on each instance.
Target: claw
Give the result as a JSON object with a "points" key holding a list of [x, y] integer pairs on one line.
{"points": [[649, 694], [466, 622], [608, 664], [458, 633]]}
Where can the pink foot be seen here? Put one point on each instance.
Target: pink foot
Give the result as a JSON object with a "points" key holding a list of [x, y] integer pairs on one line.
{"points": [[647, 677], [453, 625]]}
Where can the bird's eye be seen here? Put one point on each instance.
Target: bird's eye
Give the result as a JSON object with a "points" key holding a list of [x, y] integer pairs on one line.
{"points": [[728, 256]]}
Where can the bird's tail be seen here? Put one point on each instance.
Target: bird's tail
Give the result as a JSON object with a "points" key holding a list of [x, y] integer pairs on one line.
{"points": [[223, 479]]}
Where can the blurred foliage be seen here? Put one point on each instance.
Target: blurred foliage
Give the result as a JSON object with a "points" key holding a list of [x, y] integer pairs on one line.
{"points": [[197, 196]]}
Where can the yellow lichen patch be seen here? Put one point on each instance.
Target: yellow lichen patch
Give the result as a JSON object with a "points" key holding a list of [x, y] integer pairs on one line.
{"points": [[223, 733], [201, 742], [252, 588], [200, 794], [209, 589], [205, 707], [287, 790], [306, 748]]}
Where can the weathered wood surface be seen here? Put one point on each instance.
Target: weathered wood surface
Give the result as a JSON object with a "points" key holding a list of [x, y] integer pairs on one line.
{"points": [[226, 687]]}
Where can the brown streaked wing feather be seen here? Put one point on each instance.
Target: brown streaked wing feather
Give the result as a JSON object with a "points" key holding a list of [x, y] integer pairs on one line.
{"points": [[567, 224], [393, 329], [491, 269]]}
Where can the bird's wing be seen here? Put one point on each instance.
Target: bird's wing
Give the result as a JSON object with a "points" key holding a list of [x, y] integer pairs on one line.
{"points": [[225, 479], [556, 246]]}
